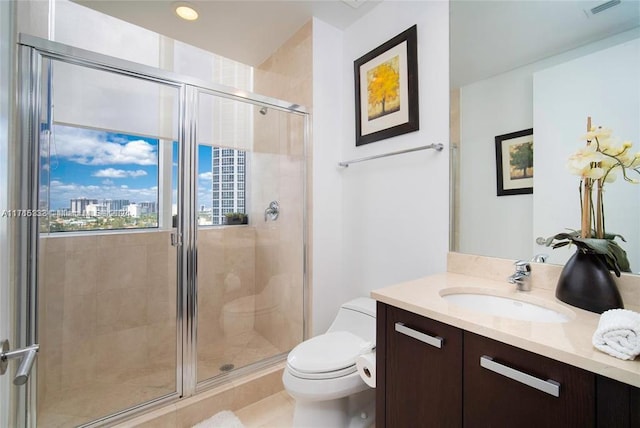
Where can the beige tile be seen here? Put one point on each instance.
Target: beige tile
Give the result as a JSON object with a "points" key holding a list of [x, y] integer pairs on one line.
{"points": [[78, 321], [275, 410], [53, 265], [120, 309], [122, 267], [78, 243], [203, 409], [121, 353], [81, 272], [57, 420], [54, 244], [162, 418], [78, 364]]}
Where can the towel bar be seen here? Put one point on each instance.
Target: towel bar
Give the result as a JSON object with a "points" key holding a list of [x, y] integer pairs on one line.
{"points": [[437, 146]]}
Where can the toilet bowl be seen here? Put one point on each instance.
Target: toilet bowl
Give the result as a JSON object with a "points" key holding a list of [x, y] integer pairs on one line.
{"points": [[321, 372]]}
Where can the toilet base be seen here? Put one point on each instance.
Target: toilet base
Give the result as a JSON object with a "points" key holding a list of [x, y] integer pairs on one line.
{"points": [[353, 411]]}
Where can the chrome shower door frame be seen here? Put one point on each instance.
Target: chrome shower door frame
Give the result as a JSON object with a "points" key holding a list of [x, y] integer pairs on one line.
{"points": [[33, 53]]}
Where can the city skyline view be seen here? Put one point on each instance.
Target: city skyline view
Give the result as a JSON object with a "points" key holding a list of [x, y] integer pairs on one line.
{"points": [[93, 164]]}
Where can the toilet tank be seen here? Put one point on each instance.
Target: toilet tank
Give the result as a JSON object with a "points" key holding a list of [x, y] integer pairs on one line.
{"points": [[357, 316]]}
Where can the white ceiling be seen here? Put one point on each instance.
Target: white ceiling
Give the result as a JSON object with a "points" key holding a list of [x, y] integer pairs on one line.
{"points": [[487, 37], [248, 31]]}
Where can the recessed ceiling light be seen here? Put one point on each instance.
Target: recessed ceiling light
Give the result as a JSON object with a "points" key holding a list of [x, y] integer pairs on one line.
{"points": [[186, 11]]}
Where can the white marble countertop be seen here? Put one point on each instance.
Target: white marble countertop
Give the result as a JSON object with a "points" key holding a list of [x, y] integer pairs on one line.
{"points": [[569, 342]]}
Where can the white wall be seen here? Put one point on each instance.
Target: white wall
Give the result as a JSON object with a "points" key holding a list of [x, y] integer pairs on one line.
{"points": [[606, 86], [389, 217], [492, 225], [327, 263]]}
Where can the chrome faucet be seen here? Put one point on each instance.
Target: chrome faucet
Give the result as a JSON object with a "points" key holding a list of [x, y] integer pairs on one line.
{"points": [[522, 276], [273, 211], [540, 258]]}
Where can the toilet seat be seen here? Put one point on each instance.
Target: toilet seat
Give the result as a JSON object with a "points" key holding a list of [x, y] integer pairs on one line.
{"points": [[327, 356]]}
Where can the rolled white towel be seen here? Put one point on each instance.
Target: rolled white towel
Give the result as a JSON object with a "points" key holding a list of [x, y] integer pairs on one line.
{"points": [[618, 333]]}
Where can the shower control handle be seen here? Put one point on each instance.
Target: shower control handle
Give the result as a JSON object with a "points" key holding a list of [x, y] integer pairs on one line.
{"points": [[272, 211], [27, 357]]}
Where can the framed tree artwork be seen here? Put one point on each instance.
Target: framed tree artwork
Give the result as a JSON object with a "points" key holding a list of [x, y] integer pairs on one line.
{"points": [[386, 89], [514, 163]]}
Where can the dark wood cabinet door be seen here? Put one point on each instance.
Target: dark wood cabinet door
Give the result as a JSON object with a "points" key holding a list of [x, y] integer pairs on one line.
{"points": [[618, 404], [423, 372], [501, 388]]}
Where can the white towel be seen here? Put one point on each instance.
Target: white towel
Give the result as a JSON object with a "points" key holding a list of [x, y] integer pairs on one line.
{"points": [[618, 333]]}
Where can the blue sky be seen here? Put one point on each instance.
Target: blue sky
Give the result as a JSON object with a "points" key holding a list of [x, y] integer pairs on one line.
{"points": [[105, 165]]}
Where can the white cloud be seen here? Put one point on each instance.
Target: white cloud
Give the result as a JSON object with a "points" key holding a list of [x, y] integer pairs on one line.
{"points": [[108, 182], [88, 147], [206, 176], [119, 173]]}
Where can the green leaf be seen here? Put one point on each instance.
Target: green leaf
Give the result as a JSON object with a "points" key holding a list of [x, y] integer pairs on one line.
{"points": [[611, 253]]}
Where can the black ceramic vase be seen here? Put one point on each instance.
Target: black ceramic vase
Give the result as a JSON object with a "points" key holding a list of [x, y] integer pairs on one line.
{"points": [[585, 282]]}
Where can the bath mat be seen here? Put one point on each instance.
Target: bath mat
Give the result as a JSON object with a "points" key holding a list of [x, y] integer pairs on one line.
{"points": [[224, 419]]}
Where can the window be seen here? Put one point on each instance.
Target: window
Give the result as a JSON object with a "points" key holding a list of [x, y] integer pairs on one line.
{"points": [[220, 184], [97, 180]]}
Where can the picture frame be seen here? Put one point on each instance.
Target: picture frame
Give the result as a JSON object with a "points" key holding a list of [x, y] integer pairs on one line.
{"points": [[388, 107], [514, 163]]}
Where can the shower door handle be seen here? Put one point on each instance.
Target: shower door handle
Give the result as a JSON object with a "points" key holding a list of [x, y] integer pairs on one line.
{"points": [[176, 239], [27, 356]]}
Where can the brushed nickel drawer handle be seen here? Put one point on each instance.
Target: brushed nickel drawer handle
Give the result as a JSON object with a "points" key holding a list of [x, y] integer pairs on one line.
{"points": [[551, 387], [430, 340]]}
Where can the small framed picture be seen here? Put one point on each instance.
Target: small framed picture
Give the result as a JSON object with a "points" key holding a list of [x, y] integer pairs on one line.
{"points": [[386, 89], [514, 163]]}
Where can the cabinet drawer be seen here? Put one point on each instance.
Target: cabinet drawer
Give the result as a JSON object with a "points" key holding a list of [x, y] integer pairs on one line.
{"points": [[423, 371], [506, 386]]}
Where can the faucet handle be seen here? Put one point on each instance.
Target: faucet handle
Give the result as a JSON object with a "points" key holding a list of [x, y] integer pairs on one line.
{"points": [[522, 266]]}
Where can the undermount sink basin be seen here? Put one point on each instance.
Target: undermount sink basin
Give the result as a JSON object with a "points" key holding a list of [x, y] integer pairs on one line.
{"points": [[490, 302]]}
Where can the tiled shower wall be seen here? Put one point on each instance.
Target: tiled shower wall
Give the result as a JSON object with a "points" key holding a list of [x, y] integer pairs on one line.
{"points": [[108, 301], [107, 312], [107, 306], [279, 155]]}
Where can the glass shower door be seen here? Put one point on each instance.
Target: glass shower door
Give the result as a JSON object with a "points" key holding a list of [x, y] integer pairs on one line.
{"points": [[107, 293], [250, 235]]}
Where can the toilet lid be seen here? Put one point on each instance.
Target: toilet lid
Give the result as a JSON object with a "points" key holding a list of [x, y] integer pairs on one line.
{"points": [[328, 352]]}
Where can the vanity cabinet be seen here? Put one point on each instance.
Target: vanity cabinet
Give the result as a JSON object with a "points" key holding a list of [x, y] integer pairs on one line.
{"points": [[505, 386], [422, 371], [431, 374]]}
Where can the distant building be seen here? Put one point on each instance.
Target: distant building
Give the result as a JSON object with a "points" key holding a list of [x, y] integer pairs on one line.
{"points": [[116, 205], [228, 183], [135, 210], [95, 210], [150, 207], [79, 205]]}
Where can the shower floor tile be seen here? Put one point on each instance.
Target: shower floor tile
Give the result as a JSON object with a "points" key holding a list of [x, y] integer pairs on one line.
{"points": [[239, 351]]}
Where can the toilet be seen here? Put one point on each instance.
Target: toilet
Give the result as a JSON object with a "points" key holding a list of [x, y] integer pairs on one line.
{"points": [[321, 372]]}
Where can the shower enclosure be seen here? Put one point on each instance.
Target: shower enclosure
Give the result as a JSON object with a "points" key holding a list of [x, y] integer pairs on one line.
{"points": [[165, 251]]}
